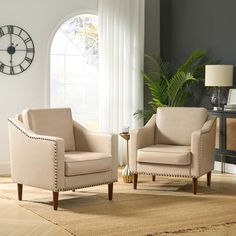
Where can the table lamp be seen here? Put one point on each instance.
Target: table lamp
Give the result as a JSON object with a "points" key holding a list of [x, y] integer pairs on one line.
{"points": [[219, 76]]}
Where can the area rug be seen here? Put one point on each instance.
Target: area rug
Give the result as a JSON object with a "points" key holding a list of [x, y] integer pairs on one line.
{"points": [[164, 207]]}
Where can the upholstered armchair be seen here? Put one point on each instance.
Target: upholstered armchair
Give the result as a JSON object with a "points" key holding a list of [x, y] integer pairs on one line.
{"points": [[49, 150], [178, 142]]}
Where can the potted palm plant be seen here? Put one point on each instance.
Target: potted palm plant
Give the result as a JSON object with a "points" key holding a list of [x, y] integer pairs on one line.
{"points": [[173, 88]]}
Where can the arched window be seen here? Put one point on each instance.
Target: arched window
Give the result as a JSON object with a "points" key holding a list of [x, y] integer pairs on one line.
{"points": [[74, 69]]}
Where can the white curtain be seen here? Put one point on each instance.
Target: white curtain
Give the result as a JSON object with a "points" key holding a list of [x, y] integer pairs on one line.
{"points": [[121, 53]]}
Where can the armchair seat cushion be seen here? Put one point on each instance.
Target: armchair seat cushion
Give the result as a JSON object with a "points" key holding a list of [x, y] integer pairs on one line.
{"points": [[165, 154], [82, 163]]}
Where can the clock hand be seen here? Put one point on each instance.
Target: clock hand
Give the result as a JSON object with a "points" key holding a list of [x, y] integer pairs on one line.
{"points": [[10, 39], [11, 60], [20, 49]]}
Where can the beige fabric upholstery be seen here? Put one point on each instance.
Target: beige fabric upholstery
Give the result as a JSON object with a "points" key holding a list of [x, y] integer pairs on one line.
{"points": [[54, 122], [36, 160], [97, 142], [165, 154], [82, 163], [177, 120], [140, 138], [83, 181], [183, 145], [40, 160]]}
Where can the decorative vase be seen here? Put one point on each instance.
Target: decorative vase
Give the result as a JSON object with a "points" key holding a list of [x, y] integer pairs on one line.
{"points": [[127, 175], [219, 97]]}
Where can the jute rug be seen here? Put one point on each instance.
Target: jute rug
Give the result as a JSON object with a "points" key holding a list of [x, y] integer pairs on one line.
{"points": [[164, 207]]}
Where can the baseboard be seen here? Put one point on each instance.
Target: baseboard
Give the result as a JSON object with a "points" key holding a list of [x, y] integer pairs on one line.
{"points": [[5, 169], [229, 168]]}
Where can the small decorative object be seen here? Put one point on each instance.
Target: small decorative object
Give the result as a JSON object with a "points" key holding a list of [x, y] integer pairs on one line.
{"points": [[232, 97], [16, 50], [125, 130], [231, 103], [219, 76], [126, 174]]}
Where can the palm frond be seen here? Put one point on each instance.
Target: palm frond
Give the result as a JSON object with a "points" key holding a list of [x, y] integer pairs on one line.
{"points": [[144, 114], [176, 86], [152, 64], [157, 88], [194, 58]]}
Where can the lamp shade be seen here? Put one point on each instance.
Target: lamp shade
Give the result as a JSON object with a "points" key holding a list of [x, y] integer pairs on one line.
{"points": [[219, 75]]}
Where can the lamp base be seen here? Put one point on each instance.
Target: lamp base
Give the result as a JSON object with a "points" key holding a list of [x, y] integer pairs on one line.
{"points": [[218, 98]]}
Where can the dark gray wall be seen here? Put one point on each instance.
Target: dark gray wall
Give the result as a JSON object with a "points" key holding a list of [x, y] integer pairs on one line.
{"points": [[190, 24], [152, 26], [152, 34]]}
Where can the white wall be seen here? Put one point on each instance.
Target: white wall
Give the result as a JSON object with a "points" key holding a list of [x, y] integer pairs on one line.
{"points": [[40, 18]]}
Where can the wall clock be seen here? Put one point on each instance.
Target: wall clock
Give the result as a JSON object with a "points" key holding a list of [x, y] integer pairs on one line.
{"points": [[16, 50]]}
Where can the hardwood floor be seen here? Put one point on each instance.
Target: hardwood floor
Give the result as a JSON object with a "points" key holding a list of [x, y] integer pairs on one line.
{"points": [[16, 220]]}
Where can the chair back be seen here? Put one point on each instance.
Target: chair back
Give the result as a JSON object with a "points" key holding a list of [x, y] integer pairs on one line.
{"points": [[53, 122], [174, 125]]}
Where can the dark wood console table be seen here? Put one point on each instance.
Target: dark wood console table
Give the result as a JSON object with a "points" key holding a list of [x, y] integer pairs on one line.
{"points": [[225, 136]]}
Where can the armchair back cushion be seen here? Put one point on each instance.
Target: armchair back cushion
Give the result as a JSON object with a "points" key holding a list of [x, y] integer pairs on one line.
{"points": [[53, 122], [175, 125]]}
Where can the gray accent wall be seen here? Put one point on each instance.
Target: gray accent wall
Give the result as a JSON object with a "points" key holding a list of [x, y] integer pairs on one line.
{"points": [[152, 34], [190, 24]]}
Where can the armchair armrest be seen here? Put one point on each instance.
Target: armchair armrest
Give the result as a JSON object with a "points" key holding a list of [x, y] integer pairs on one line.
{"points": [[203, 148], [140, 138], [86, 140], [209, 125], [36, 160]]}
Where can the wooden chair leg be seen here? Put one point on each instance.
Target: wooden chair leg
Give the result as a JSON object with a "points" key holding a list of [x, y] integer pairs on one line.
{"points": [[194, 186], [19, 189], [55, 200], [110, 191], [153, 178], [135, 181], [209, 179]]}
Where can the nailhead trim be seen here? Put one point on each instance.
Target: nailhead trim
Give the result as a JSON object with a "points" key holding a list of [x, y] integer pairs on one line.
{"points": [[162, 174], [55, 163], [86, 186]]}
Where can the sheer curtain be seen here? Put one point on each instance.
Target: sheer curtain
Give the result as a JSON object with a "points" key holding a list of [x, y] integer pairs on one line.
{"points": [[121, 52]]}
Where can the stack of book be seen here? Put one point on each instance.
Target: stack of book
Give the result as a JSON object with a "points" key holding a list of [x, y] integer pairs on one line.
{"points": [[230, 107]]}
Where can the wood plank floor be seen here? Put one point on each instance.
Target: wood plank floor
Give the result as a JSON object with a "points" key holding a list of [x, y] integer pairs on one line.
{"points": [[16, 220]]}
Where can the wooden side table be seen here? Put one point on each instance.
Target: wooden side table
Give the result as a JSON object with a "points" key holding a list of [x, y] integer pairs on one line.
{"points": [[126, 174], [225, 137]]}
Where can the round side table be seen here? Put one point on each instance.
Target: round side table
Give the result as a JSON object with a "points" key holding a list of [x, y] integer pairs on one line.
{"points": [[126, 174]]}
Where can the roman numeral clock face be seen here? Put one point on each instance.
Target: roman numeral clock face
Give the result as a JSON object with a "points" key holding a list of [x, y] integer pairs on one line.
{"points": [[16, 50]]}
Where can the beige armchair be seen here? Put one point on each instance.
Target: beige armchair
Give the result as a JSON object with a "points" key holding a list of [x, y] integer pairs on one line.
{"points": [[49, 150], [178, 142]]}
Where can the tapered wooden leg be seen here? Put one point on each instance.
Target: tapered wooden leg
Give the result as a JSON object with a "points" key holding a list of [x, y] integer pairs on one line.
{"points": [[135, 180], [55, 200], [209, 179], [194, 185], [110, 191], [19, 189], [153, 178]]}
